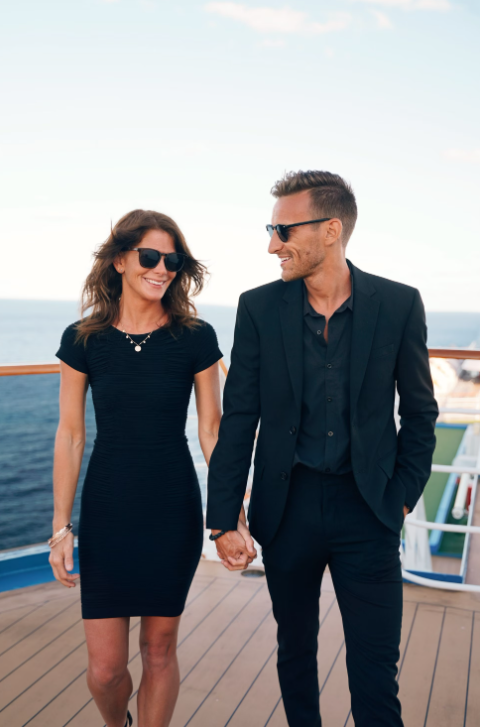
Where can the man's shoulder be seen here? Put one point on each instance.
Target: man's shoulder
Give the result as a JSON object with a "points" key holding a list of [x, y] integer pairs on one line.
{"points": [[386, 285], [268, 292]]}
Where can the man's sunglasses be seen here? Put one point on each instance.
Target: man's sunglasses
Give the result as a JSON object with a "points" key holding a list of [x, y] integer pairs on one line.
{"points": [[149, 258], [282, 230]]}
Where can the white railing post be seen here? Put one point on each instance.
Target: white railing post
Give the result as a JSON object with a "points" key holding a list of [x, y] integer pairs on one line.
{"points": [[417, 546]]}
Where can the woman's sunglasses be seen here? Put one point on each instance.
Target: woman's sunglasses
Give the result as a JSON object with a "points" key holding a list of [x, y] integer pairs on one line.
{"points": [[149, 258], [282, 230]]}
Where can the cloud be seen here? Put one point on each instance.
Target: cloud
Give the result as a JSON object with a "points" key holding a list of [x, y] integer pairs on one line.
{"points": [[471, 156], [277, 20], [383, 21], [411, 4], [273, 43]]}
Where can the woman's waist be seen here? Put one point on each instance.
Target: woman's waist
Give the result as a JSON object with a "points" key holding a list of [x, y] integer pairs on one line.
{"points": [[146, 440]]}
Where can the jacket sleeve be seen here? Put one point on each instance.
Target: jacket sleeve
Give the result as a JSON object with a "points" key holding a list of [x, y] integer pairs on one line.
{"points": [[418, 409], [231, 458]]}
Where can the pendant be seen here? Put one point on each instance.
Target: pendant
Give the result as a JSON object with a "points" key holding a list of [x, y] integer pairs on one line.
{"points": [[138, 348]]}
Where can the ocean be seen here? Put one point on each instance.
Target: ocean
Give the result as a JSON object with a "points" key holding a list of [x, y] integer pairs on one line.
{"points": [[30, 332]]}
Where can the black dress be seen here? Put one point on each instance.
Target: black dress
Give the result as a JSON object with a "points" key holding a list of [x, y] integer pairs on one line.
{"points": [[141, 521]]}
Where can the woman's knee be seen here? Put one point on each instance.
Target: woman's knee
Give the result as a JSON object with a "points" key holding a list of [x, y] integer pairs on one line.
{"points": [[158, 654], [106, 676]]}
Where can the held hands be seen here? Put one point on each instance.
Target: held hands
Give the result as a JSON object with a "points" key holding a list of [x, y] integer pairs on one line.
{"points": [[61, 560], [236, 549]]}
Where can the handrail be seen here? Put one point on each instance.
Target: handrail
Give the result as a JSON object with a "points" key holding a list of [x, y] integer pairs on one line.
{"points": [[49, 368], [455, 469], [54, 368], [459, 353], [445, 527], [27, 369]]}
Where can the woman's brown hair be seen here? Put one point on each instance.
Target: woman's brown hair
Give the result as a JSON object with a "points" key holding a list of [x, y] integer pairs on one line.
{"points": [[103, 286]]}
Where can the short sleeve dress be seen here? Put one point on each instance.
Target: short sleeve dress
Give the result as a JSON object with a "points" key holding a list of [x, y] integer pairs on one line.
{"points": [[141, 520]]}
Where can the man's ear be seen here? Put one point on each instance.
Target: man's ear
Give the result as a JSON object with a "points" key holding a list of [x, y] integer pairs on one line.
{"points": [[333, 231]]}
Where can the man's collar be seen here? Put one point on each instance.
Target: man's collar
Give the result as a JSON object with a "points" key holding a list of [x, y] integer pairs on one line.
{"points": [[308, 309]]}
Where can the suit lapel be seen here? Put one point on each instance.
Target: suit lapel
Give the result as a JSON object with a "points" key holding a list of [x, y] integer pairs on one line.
{"points": [[365, 313], [291, 319]]}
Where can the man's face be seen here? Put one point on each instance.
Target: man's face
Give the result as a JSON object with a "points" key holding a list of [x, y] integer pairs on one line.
{"points": [[304, 252]]}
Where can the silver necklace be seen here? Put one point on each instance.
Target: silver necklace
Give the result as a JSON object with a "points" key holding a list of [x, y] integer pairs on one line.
{"points": [[138, 346]]}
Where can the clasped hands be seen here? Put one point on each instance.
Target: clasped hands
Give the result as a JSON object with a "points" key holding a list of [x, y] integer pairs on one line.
{"points": [[236, 549]]}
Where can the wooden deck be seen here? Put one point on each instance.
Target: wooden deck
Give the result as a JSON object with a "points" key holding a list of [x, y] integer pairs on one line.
{"points": [[227, 654]]}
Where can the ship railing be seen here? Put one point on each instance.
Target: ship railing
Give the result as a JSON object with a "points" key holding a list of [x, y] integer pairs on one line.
{"points": [[468, 530], [457, 469]]}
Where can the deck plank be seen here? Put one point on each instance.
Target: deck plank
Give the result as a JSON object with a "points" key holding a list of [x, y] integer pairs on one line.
{"points": [[33, 595], [448, 698], [210, 653], [473, 703], [40, 694], [419, 664], [335, 695], [35, 631], [253, 648], [13, 615], [278, 718], [38, 665], [262, 696]]}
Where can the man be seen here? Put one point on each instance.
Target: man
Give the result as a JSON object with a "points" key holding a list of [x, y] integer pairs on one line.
{"points": [[317, 357]]}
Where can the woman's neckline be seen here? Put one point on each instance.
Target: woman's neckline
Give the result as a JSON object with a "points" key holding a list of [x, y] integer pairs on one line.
{"points": [[147, 333]]}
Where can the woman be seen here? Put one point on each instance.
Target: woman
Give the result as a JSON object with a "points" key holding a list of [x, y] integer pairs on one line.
{"points": [[141, 522]]}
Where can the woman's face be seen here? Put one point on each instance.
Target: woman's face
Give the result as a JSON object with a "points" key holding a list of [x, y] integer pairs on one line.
{"points": [[147, 283]]}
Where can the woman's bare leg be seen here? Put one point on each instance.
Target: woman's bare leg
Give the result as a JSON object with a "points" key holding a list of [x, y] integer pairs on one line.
{"points": [[108, 678], [160, 683]]}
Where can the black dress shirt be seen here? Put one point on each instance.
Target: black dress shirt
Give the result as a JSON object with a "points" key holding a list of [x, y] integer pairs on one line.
{"points": [[324, 437]]}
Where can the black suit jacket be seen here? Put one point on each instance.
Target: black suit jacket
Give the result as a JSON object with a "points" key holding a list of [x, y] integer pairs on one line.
{"points": [[264, 384]]}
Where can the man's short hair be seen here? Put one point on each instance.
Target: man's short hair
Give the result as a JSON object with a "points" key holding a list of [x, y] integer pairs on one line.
{"points": [[331, 196]]}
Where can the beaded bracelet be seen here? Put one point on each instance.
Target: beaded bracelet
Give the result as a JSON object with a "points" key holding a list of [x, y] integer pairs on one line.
{"points": [[60, 535], [218, 535]]}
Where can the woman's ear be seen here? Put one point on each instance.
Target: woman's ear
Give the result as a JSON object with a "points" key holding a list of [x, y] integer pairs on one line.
{"points": [[119, 264]]}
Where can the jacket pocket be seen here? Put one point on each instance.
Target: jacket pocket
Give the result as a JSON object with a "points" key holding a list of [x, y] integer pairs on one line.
{"points": [[387, 350], [387, 463]]}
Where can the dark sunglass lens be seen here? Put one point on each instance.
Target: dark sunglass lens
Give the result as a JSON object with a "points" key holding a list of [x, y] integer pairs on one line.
{"points": [[270, 230], [149, 258], [282, 231], [174, 262]]}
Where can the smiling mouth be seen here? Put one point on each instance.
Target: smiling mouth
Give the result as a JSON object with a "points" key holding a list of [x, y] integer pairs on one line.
{"points": [[283, 260], [155, 283]]}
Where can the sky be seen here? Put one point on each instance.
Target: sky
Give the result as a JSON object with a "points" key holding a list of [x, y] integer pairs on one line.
{"points": [[195, 109]]}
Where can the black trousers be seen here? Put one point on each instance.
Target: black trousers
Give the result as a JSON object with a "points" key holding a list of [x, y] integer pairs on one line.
{"points": [[327, 522]]}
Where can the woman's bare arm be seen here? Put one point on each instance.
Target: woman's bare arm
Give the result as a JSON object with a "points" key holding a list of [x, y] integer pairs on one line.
{"points": [[209, 408], [69, 446], [207, 392]]}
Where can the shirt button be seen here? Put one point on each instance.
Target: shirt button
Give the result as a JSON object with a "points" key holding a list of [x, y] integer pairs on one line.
{"points": [[329, 398], [329, 366], [319, 333], [330, 434], [293, 430], [283, 476]]}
